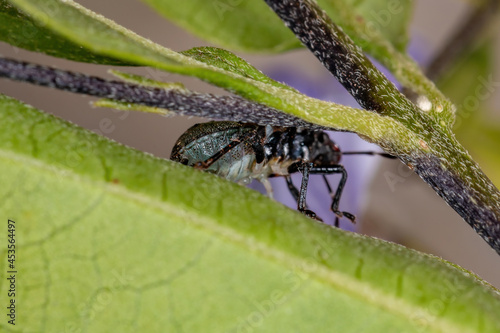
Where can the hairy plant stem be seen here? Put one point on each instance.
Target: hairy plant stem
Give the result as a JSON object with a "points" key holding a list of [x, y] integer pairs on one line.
{"points": [[179, 101], [440, 160]]}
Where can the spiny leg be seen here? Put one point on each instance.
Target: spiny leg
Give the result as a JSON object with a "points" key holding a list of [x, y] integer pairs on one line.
{"points": [[293, 190], [291, 187], [340, 169], [336, 223], [338, 193], [301, 204]]}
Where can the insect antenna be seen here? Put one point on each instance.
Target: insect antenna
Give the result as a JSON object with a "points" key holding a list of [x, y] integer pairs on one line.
{"points": [[369, 153]]}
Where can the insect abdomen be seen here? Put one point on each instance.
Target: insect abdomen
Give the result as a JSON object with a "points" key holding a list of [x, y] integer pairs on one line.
{"points": [[202, 141]]}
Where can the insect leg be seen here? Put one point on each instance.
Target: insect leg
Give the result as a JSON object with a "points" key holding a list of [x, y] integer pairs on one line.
{"points": [[293, 190], [267, 186], [338, 193], [301, 204], [331, 192]]}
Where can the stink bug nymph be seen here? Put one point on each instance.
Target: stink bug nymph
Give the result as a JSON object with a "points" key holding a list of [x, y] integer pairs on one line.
{"points": [[241, 152]]}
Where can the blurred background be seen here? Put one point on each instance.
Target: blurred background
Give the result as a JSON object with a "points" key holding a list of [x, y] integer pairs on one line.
{"points": [[389, 200]]}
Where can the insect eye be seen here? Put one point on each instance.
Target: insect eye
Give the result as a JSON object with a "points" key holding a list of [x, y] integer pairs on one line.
{"points": [[323, 137]]}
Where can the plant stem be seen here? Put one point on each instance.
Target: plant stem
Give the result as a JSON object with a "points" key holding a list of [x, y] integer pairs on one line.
{"points": [[338, 53], [440, 160], [180, 101]]}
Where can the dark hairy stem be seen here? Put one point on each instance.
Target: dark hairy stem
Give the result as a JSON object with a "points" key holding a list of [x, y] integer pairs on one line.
{"points": [[477, 21], [338, 53], [182, 102], [444, 164]]}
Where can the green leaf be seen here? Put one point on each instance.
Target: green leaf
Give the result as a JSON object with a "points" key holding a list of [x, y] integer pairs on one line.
{"points": [[230, 62], [244, 25], [112, 239], [250, 26], [91, 31], [20, 30]]}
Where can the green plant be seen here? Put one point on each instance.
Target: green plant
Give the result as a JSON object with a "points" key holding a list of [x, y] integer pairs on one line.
{"points": [[112, 238]]}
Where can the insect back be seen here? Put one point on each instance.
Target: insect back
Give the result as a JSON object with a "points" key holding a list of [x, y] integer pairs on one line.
{"points": [[224, 148], [241, 152]]}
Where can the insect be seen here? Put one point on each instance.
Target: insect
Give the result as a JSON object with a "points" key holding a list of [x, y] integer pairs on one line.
{"points": [[241, 152]]}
